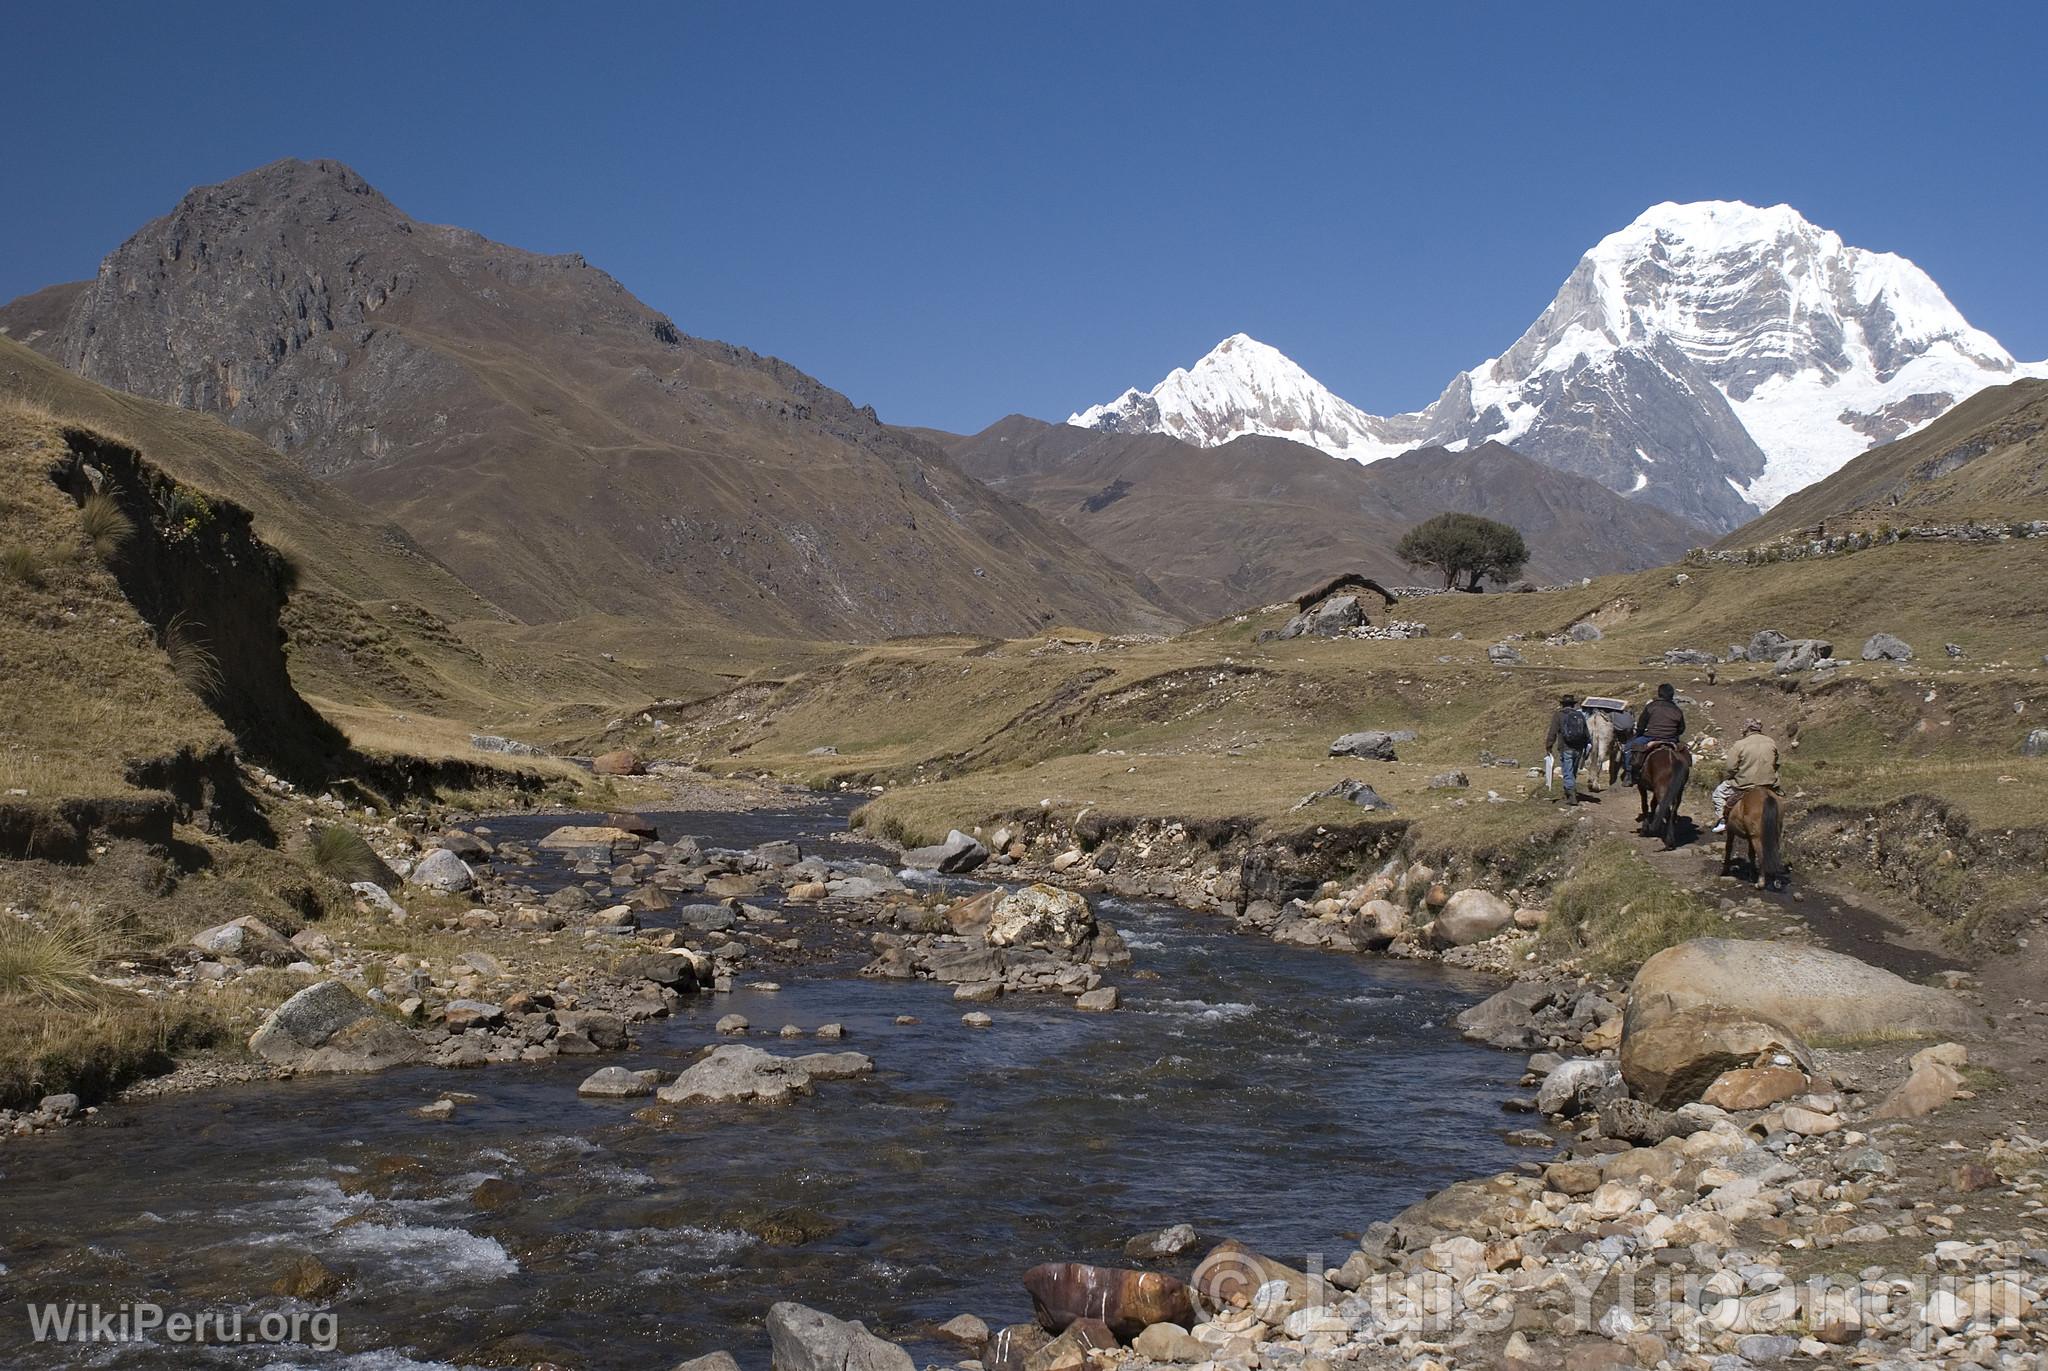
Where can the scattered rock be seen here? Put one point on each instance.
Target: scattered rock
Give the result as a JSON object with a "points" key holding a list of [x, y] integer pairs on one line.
{"points": [[1098, 1001], [248, 938], [1932, 1085], [1883, 647], [623, 762], [959, 854], [1676, 1057], [1041, 916], [1471, 916], [443, 870], [617, 1083]]}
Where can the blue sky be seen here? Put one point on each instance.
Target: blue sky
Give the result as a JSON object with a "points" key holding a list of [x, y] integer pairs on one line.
{"points": [[953, 211]]}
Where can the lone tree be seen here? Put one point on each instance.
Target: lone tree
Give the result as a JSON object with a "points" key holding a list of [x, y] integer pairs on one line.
{"points": [[1464, 545]]}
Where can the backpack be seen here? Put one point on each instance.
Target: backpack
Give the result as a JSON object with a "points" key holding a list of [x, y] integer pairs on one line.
{"points": [[1573, 729]]}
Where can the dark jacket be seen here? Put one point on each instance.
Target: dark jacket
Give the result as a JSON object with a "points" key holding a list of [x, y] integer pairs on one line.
{"points": [[1663, 721], [1556, 737]]}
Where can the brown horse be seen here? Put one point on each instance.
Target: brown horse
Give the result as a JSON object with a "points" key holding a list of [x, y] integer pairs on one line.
{"points": [[1662, 770], [1753, 815]]}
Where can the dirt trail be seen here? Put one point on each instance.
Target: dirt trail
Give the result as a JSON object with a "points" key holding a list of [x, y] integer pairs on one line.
{"points": [[1803, 909]]}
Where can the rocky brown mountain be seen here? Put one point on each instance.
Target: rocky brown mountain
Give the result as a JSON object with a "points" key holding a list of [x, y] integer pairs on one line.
{"points": [[1259, 519], [560, 446]]}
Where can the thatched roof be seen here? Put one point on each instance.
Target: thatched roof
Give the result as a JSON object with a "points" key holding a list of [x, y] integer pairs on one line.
{"points": [[1348, 581]]}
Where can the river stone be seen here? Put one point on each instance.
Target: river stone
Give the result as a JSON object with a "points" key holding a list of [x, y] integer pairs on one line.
{"points": [[1166, 1342], [1013, 1346], [328, 1028], [1167, 1242], [737, 1072], [1578, 1087], [617, 1083], [1506, 1018], [959, 854], [1808, 991], [1041, 916], [710, 1361], [249, 938], [834, 1066], [1100, 1000], [1127, 1301], [443, 870], [805, 1339], [1471, 916], [588, 842], [1883, 647], [1675, 1058], [621, 762], [1374, 744], [1233, 1276], [965, 1330]]}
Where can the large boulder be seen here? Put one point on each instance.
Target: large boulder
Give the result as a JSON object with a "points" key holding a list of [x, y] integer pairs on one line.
{"points": [[1337, 615], [1041, 916], [1811, 992], [248, 938], [2035, 744], [622, 762], [328, 1028], [1883, 647], [1127, 1301], [1471, 916], [444, 871], [960, 853], [1673, 1059], [805, 1339], [1375, 744]]}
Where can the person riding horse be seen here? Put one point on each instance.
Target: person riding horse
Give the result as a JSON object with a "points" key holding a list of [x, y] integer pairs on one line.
{"points": [[1660, 722], [1751, 762]]}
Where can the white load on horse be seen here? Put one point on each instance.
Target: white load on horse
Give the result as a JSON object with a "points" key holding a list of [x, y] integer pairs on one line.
{"points": [[1604, 721]]}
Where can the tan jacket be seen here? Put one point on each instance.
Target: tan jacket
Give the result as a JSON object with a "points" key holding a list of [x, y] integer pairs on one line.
{"points": [[1753, 762]]}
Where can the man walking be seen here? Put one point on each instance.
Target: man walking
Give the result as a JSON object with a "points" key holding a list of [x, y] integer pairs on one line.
{"points": [[1567, 741]]}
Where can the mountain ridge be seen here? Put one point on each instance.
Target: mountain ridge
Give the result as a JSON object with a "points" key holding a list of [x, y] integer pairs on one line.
{"points": [[562, 447]]}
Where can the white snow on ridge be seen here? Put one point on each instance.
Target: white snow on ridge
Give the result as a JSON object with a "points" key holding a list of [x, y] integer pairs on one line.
{"points": [[1820, 349], [1243, 386]]}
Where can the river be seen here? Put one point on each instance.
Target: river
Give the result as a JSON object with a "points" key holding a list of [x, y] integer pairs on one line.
{"points": [[1277, 1095]]}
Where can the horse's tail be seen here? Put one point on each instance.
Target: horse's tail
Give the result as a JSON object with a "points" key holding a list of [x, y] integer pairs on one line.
{"points": [[1772, 829]]}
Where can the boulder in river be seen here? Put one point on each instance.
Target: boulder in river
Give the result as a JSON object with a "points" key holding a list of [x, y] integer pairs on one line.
{"points": [[960, 853], [1806, 990], [328, 1028], [588, 842], [737, 1072], [1041, 916], [804, 1339], [1127, 1301], [618, 1083]]}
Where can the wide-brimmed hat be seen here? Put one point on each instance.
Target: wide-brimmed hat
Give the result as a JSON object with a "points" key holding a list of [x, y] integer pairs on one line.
{"points": [[1752, 726]]}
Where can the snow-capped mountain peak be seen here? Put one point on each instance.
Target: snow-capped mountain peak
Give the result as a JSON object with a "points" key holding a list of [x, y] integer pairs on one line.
{"points": [[1710, 357], [1243, 386]]}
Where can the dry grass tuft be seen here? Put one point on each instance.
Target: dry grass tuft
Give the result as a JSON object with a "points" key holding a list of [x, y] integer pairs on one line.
{"points": [[47, 965], [105, 525], [1616, 912], [192, 658], [21, 563]]}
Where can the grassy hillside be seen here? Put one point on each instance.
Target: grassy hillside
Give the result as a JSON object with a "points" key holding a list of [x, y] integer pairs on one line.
{"points": [[1984, 461], [1213, 724], [376, 622]]}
